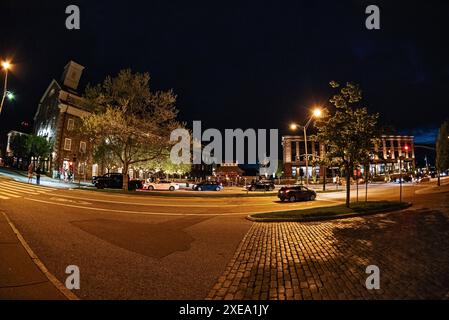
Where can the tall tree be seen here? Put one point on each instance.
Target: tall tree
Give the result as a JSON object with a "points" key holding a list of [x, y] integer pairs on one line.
{"points": [[104, 156], [18, 145], [38, 147], [163, 164], [134, 121], [27, 146], [442, 144], [349, 133]]}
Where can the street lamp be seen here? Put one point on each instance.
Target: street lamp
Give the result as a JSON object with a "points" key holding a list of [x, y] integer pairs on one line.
{"points": [[401, 161], [10, 95], [317, 112], [6, 65]]}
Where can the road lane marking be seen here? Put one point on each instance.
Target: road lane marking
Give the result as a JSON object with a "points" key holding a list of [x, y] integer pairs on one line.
{"points": [[19, 189], [28, 185], [8, 194], [164, 213], [166, 205], [179, 205], [66, 292], [69, 201], [9, 191]]}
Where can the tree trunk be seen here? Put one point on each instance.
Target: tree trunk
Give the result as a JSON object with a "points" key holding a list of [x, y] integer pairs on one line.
{"points": [[348, 185], [324, 178], [438, 174], [366, 181], [125, 177]]}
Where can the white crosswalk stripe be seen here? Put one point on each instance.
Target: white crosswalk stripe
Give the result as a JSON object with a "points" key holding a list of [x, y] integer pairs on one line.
{"points": [[8, 194], [33, 186], [12, 190]]}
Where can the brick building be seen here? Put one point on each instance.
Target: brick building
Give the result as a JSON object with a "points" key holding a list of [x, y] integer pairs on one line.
{"points": [[385, 156], [58, 118]]}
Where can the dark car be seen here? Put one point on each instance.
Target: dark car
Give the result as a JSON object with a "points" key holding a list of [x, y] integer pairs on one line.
{"points": [[208, 186], [115, 181], [405, 178], [260, 185], [296, 193]]}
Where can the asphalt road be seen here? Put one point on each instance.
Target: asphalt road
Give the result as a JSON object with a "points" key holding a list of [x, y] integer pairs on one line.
{"points": [[145, 247]]}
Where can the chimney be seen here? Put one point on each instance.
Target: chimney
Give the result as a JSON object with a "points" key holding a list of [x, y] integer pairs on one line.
{"points": [[72, 74]]}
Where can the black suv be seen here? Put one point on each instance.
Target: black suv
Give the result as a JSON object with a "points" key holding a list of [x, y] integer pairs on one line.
{"points": [[296, 193], [115, 181], [260, 185]]}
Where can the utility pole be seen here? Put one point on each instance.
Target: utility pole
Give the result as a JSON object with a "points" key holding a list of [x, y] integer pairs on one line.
{"points": [[366, 181], [316, 114], [307, 154], [400, 178], [6, 65], [357, 181]]}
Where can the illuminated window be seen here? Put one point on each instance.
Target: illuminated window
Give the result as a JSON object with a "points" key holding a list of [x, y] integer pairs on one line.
{"points": [[70, 124], [81, 168], [82, 147], [67, 144]]}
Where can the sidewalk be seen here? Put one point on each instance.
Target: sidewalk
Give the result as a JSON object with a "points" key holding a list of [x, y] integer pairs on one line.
{"points": [[20, 278], [21, 176]]}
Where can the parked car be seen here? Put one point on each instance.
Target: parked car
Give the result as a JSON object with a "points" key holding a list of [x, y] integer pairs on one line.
{"points": [[260, 185], [296, 193], [208, 186], [423, 179], [405, 178], [161, 185], [115, 181]]}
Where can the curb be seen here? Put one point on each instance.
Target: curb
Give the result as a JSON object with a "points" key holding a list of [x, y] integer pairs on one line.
{"points": [[61, 288], [325, 218]]}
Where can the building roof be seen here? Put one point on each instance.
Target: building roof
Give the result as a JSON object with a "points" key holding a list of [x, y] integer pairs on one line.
{"points": [[229, 170]]}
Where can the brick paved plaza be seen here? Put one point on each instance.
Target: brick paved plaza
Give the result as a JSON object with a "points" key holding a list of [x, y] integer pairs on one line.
{"points": [[327, 260]]}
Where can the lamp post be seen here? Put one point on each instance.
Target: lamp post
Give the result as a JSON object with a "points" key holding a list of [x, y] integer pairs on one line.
{"points": [[6, 65], [316, 114], [401, 160], [400, 178]]}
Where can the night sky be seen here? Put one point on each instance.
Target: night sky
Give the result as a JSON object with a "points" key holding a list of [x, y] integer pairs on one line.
{"points": [[247, 64]]}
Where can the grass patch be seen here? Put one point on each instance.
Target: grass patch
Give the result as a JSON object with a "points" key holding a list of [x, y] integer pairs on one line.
{"points": [[321, 213]]}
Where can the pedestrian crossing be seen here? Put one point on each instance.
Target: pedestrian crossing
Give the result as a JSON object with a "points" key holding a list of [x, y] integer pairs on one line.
{"points": [[10, 189]]}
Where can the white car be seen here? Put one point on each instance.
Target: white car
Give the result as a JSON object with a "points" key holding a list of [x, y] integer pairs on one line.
{"points": [[161, 185]]}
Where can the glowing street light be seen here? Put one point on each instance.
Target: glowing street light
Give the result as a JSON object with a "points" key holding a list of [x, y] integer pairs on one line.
{"points": [[10, 96], [6, 65], [317, 112]]}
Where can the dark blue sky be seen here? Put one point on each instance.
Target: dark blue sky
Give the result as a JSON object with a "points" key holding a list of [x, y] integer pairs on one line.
{"points": [[249, 64]]}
